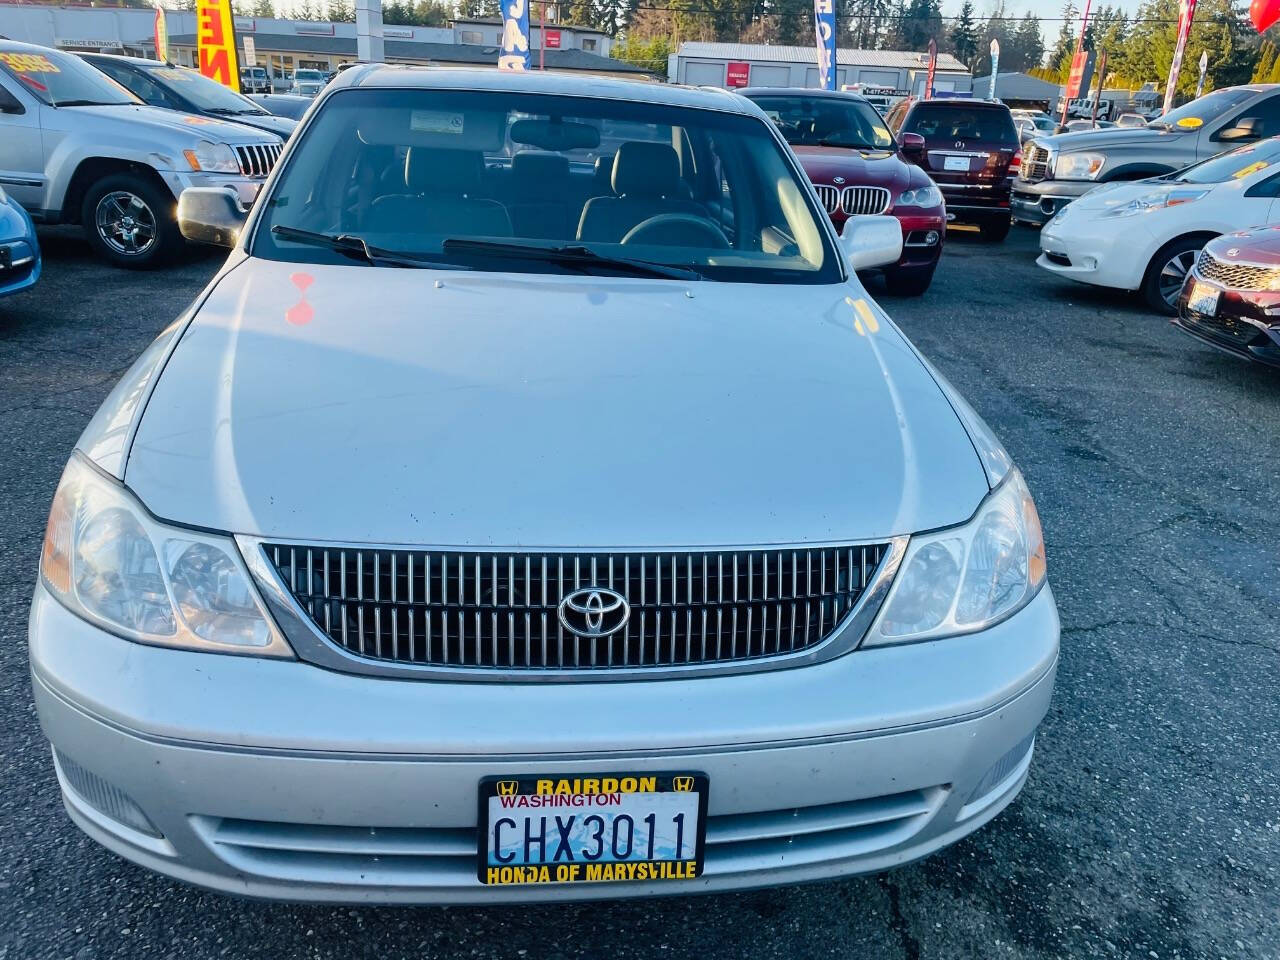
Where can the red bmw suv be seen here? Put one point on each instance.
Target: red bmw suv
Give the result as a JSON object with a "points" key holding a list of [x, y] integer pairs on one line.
{"points": [[971, 150], [857, 167]]}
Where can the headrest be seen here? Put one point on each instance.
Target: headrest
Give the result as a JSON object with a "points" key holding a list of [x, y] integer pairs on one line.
{"points": [[532, 166], [646, 169], [452, 172]]}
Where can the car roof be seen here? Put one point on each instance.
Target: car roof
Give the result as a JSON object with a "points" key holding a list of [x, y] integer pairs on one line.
{"points": [[139, 61], [957, 102], [799, 92], [403, 76]]}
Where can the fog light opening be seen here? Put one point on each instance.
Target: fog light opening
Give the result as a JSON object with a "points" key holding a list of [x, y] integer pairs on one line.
{"points": [[105, 797]]}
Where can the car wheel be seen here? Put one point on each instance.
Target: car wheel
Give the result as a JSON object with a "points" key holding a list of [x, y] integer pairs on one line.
{"points": [[908, 283], [1168, 271], [994, 231], [130, 222]]}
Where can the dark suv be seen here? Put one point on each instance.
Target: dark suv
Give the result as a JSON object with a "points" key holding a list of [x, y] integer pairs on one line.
{"points": [[971, 151]]}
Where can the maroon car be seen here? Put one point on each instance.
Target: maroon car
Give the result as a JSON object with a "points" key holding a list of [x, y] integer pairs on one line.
{"points": [[1231, 297], [857, 167], [971, 150]]}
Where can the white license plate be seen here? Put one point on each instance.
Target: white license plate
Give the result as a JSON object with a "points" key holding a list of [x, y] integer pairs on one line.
{"points": [[1204, 298], [955, 163], [592, 829]]}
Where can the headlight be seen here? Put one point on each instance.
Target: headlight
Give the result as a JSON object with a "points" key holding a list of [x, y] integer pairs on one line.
{"points": [[926, 196], [1155, 200], [967, 578], [110, 562], [1078, 166], [212, 158]]}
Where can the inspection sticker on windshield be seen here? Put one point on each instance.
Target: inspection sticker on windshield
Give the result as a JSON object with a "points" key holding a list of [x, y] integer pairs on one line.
{"points": [[435, 121], [1204, 299], [554, 828]]}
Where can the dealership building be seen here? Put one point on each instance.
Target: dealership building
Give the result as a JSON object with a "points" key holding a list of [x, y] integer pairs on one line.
{"points": [[766, 65], [286, 45]]}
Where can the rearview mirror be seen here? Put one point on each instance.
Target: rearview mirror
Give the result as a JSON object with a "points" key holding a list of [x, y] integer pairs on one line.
{"points": [[1246, 128], [871, 241], [212, 215], [555, 134], [912, 145]]}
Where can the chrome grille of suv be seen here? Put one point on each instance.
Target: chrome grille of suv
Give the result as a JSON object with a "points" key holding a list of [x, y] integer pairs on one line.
{"points": [[1237, 276], [500, 610], [257, 159], [1035, 162], [830, 196], [859, 200]]}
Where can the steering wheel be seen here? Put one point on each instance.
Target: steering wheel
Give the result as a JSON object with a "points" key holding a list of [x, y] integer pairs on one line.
{"points": [[664, 225]]}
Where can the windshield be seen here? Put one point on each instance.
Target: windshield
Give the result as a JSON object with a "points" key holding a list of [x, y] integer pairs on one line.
{"points": [[935, 121], [1234, 165], [308, 75], [63, 80], [205, 94], [827, 122], [407, 170], [1197, 113]]}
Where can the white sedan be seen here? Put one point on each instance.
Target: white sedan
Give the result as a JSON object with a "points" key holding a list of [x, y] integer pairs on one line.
{"points": [[1145, 236]]}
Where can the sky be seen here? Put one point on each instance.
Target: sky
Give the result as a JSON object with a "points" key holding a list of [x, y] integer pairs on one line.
{"points": [[1041, 8]]}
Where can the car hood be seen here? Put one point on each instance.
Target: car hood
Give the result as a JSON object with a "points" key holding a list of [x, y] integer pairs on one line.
{"points": [[1257, 246], [282, 127], [1112, 137], [381, 405], [870, 168], [159, 118]]}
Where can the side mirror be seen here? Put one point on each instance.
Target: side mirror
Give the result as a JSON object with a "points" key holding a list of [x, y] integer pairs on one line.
{"points": [[912, 145], [1246, 128], [212, 215], [871, 241]]}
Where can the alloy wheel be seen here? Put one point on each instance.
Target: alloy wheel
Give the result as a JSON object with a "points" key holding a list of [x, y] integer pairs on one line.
{"points": [[125, 223], [1174, 273]]}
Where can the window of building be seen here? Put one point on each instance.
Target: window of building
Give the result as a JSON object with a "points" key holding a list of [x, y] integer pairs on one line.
{"points": [[589, 43], [470, 36]]}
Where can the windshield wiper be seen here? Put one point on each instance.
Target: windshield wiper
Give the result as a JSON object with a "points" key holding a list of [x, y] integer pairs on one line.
{"points": [[569, 255], [93, 103], [229, 112], [356, 248], [835, 141]]}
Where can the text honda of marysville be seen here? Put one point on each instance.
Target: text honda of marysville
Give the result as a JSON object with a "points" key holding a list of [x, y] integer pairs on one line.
{"points": [[535, 506]]}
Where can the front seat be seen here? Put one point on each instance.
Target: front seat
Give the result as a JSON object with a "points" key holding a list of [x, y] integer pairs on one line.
{"points": [[646, 179], [539, 196], [440, 197]]}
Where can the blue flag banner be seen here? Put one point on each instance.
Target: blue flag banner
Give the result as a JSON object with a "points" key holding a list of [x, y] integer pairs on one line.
{"points": [[824, 31], [514, 53]]}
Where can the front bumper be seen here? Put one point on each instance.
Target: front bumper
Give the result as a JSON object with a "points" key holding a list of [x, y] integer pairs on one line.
{"points": [[19, 264], [1246, 323], [1039, 201], [246, 188], [279, 779], [1106, 253], [917, 252]]}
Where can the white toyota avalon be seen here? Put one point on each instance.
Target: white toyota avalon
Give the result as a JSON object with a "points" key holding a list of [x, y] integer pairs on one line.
{"points": [[535, 506]]}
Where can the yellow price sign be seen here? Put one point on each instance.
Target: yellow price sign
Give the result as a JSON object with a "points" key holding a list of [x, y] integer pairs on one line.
{"points": [[29, 62], [1190, 123]]}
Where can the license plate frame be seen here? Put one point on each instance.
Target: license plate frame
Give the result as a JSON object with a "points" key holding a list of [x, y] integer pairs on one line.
{"points": [[954, 164], [684, 791], [1204, 298]]}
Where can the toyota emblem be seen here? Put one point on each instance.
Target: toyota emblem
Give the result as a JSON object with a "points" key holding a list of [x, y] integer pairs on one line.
{"points": [[1234, 251], [594, 612]]}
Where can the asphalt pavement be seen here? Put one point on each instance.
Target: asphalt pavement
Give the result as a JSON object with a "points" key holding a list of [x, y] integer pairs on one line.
{"points": [[1150, 827]]}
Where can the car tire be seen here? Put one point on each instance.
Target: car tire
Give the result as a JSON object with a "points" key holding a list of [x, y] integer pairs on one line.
{"points": [[1167, 271], [130, 222], [994, 231], [908, 283]]}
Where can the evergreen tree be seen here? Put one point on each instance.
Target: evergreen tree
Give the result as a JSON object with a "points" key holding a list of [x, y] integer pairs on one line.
{"points": [[964, 35], [340, 11], [1266, 63], [1065, 45]]}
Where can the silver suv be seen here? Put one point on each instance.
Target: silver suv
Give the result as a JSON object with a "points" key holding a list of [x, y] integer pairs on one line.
{"points": [[76, 147], [1058, 169]]}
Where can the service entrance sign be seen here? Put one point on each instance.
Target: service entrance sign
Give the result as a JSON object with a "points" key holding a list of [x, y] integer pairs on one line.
{"points": [[216, 42]]}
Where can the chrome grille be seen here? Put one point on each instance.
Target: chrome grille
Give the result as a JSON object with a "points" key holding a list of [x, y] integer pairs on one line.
{"points": [[829, 196], [861, 200], [499, 611], [1035, 162], [257, 159], [1237, 276]]}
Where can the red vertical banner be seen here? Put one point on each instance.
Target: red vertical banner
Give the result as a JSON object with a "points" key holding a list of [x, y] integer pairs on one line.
{"points": [[1078, 61], [1184, 31], [216, 42], [162, 36], [933, 69]]}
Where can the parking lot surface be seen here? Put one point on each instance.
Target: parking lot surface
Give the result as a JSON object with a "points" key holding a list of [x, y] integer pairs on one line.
{"points": [[1150, 827]]}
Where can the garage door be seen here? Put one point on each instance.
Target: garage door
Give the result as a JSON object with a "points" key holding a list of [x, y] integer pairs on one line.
{"points": [[770, 76], [704, 74]]}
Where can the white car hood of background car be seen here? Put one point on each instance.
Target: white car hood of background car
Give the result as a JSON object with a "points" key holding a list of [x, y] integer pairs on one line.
{"points": [[200, 128], [400, 406]]}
